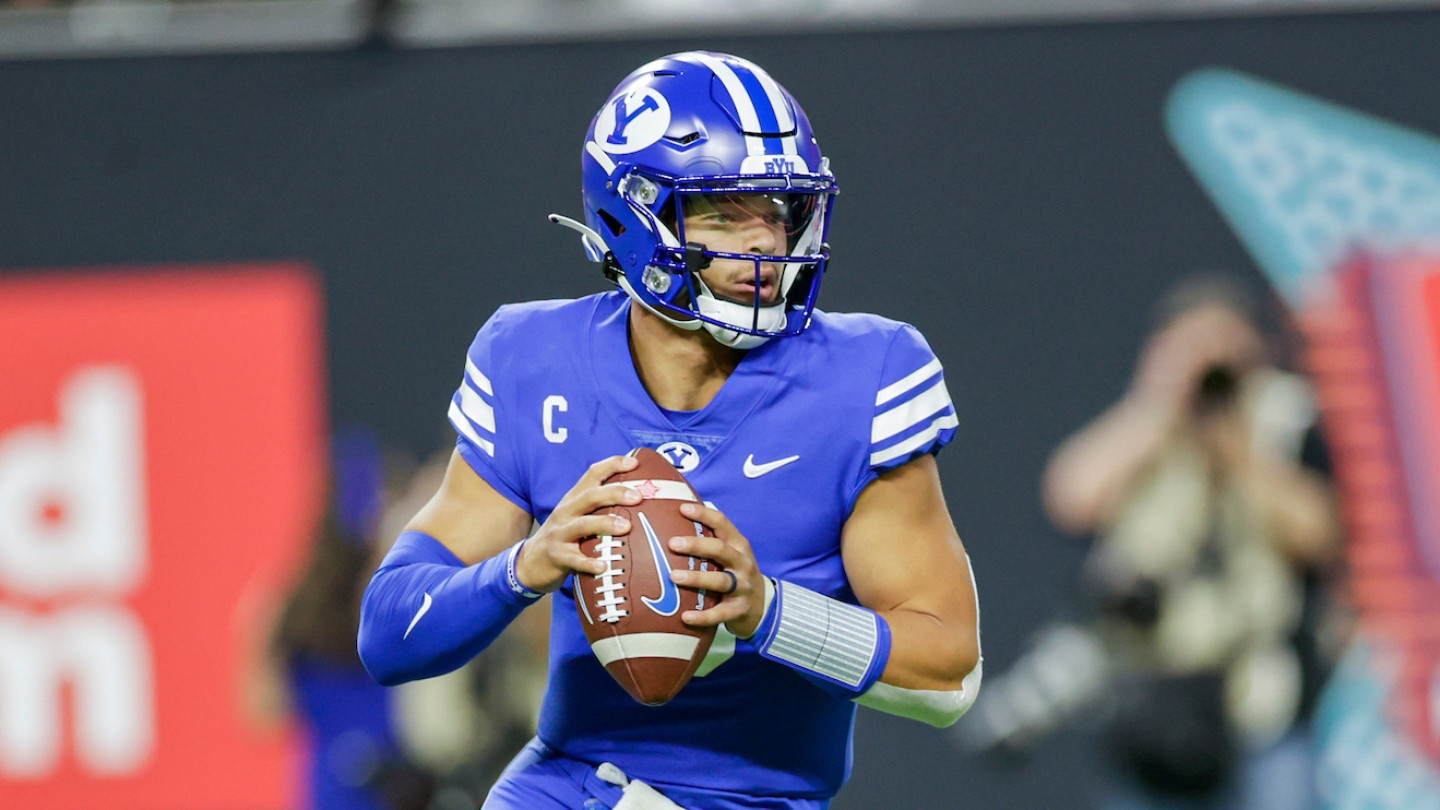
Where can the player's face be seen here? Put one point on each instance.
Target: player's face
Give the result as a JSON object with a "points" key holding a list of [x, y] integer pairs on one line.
{"points": [[754, 223]]}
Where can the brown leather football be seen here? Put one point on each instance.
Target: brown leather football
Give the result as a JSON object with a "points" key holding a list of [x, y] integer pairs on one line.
{"points": [[631, 613]]}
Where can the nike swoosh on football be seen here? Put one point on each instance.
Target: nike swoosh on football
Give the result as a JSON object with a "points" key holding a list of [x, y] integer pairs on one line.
{"points": [[669, 599], [424, 608], [753, 470]]}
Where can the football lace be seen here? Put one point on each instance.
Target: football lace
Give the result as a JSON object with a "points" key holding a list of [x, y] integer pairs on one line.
{"points": [[609, 590]]}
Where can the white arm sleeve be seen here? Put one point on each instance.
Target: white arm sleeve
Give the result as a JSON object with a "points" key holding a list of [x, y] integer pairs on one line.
{"points": [[939, 709]]}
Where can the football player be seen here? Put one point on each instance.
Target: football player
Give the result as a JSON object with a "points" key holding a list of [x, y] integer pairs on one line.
{"points": [[812, 436]]}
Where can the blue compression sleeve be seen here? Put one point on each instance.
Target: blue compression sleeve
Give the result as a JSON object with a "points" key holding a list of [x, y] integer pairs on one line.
{"points": [[425, 613]]}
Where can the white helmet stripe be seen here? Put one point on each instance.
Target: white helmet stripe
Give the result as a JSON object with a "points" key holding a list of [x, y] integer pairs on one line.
{"points": [[744, 105], [777, 103], [593, 149]]}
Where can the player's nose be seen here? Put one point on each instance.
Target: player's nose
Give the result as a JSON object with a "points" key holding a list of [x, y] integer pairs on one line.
{"points": [[760, 238]]}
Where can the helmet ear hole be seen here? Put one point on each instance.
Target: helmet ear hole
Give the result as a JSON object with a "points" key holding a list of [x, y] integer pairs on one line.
{"points": [[614, 225]]}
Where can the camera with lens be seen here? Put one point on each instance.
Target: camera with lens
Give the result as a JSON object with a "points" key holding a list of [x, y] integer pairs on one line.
{"points": [[1137, 603], [1216, 388], [1115, 590]]}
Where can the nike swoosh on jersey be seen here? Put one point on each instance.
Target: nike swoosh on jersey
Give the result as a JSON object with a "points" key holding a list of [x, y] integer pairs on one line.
{"points": [[424, 608], [753, 470], [669, 599]]}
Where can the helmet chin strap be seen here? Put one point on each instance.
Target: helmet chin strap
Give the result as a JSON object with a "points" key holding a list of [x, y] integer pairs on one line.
{"points": [[771, 319]]}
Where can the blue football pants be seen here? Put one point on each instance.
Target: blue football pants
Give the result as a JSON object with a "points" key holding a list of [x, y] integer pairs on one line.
{"points": [[541, 778]]}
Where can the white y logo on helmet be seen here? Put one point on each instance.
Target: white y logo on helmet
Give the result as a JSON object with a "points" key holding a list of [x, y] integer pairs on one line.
{"points": [[632, 121]]}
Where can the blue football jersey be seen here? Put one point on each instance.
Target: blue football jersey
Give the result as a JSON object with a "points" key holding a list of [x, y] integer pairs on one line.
{"points": [[784, 449]]}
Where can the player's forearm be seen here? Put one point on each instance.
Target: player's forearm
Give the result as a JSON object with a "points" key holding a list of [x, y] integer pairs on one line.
{"points": [[425, 613], [933, 673], [845, 649], [928, 652]]}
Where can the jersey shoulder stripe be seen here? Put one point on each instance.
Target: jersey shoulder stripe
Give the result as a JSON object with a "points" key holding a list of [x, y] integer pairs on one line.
{"points": [[472, 411], [914, 413], [477, 407]]}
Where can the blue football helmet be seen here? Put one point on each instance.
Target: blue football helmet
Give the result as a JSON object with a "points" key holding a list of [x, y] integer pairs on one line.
{"points": [[696, 132]]}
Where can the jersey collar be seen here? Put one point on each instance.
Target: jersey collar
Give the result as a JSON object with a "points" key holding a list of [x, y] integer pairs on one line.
{"points": [[618, 383]]}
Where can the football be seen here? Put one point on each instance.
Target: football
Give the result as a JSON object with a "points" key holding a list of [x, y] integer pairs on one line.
{"points": [[631, 613]]}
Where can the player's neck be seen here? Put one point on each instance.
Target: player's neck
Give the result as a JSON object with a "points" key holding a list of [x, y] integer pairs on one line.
{"points": [[681, 370]]}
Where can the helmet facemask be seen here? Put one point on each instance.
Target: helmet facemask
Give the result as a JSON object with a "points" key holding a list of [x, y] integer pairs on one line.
{"points": [[776, 224]]}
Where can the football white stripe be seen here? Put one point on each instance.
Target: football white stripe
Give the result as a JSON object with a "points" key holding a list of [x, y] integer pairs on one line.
{"points": [[903, 417], [479, 378], [916, 441], [651, 488], [911, 380], [476, 408], [645, 645], [463, 425], [744, 106]]}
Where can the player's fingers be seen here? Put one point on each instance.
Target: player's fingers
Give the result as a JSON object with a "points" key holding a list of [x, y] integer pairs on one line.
{"points": [[727, 610], [566, 553], [599, 497], [716, 582], [577, 529], [559, 541], [719, 549], [596, 474], [571, 558], [716, 521]]}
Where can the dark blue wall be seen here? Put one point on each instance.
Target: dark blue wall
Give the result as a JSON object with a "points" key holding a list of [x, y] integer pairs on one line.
{"points": [[1008, 190]]}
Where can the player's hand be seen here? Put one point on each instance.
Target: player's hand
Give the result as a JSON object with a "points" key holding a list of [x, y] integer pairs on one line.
{"points": [[553, 552], [741, 610]]}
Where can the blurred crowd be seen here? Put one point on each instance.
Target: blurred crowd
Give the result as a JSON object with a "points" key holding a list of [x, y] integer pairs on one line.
{"points": [[436, 744]]}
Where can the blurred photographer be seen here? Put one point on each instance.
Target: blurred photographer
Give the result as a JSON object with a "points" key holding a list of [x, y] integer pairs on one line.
{"points": [[1208, 535]]}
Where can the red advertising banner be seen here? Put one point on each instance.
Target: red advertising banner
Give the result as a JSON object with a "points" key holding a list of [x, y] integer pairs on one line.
{"points": [[1375, 355], [160, 461]]}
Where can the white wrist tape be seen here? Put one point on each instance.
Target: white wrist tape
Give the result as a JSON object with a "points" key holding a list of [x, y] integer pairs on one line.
{"points": [[843, 644], [513, 581]]}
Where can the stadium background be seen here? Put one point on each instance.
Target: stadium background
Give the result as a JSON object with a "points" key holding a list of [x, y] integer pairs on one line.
{"points": [[1007, 189]]}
